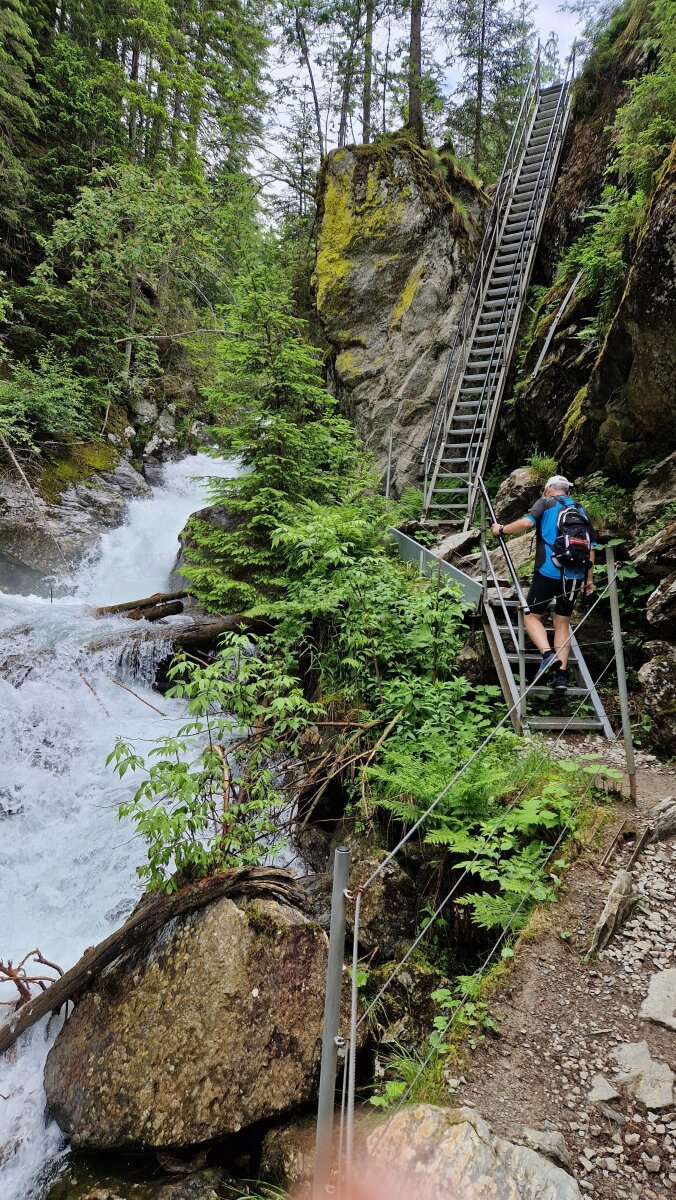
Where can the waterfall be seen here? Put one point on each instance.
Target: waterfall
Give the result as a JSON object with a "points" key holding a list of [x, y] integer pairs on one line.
{"points": [[67, 865]]}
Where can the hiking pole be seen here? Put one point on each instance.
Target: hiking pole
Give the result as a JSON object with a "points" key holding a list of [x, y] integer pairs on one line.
{"points": [[523, 603], [621, 672]]}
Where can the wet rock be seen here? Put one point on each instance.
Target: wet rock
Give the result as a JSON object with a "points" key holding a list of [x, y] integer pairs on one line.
{"points": [[658, 681], [41, 541], [656, 557], [216, 1026], [388, 908], [656, 492], [661, 607], [458, 543], [163, 443], [648, 1079], [660, 1003], [393, 256], [453, 1152], [516, 495], [213, 516], [287, 1155], [522, 553]]}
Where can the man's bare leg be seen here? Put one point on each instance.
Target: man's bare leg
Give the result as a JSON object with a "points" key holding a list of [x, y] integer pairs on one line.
{"points": [[561, 639], [536, 632]]}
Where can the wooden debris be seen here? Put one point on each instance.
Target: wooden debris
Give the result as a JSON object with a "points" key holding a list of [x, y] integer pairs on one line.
{"points": [[622, 899], [23, 981], [201, 631], [148, 918], [133, 606]]}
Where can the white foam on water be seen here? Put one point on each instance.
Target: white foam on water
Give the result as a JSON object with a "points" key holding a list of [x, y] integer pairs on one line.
{"points": [[67, 864]]}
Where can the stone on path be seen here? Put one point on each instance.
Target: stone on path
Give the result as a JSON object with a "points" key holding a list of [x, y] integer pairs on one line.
{"points": [[602, 1090], [622, 899], [551, 1143], [663, 818], [660, 1003], [650, 1080], [438, 1153]]}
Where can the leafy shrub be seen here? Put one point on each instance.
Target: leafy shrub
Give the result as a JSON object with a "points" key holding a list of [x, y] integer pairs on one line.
{"points": [[46, 401]]}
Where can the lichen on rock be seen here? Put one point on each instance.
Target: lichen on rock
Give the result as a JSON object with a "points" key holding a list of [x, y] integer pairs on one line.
{"points": [[394, 250]]}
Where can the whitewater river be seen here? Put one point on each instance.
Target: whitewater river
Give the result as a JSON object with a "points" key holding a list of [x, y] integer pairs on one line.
{"points": [[67, 865]]}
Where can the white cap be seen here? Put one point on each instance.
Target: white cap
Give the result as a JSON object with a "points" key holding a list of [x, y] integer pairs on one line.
{"points": [[559, 483]]}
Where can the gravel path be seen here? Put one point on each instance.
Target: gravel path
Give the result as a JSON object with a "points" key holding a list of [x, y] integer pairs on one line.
{"points": [[564, 1020]]}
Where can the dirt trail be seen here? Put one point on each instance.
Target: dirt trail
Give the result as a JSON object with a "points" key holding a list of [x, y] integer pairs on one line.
{"points": [[562, 1019]]}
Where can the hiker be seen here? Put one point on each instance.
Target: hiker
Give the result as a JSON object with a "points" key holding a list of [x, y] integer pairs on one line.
{"points": [[564, 560]]}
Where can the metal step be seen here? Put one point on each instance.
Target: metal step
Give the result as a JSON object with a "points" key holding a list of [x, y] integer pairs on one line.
{"points": [[574, 724]]}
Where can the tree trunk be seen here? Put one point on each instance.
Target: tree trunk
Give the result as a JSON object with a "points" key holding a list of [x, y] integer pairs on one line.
{"points": [[348, 75], [368, 70], [148, 918], [305, 55], [415, 116], [478, 117]]}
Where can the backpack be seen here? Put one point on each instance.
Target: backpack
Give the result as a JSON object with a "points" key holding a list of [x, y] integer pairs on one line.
{"points": [[572, 544]]}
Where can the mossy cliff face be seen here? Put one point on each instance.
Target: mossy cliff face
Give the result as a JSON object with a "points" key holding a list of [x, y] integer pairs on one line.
{"points": [[394, 250], [628, 411]]}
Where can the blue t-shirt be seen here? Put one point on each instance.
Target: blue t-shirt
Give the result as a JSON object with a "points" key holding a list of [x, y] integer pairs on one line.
{"points": [[544, 514]]}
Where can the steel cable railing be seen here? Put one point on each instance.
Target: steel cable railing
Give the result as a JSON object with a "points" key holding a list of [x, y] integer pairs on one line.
{"points": [[476, 978]]}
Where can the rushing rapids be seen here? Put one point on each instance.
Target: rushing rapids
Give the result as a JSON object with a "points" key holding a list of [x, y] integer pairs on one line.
{"points": [[67, 865]]}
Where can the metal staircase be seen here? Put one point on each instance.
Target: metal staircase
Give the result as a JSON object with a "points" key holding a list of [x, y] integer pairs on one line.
{"points": [[466, 413], [533, 708]]}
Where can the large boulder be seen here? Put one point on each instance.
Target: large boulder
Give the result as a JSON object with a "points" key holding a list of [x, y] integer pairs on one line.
{"points": [[443, 1153], [516, 495], [661, 607], [216, 1026], [656, 492], [656, 557], [48, 532], [395, 246], [658, 680]]}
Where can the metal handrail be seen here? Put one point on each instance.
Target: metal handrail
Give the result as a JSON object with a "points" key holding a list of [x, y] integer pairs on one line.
{"points": [[451, 385], [481, 274], [520, 595]]}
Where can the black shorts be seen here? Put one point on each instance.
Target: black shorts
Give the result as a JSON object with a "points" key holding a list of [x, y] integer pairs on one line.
{"points": [[543, 590]]}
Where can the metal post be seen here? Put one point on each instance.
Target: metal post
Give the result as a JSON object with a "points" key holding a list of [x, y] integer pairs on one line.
{"points": [[621, 674], [484, 572], [334, 983], [522, 665], [388, 476]]}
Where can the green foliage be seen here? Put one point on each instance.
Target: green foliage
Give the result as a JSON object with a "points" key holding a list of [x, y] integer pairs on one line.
{"points": [[214, 792], [17, 112], [608, 504], [467, 1014], [643, 132], [541, 467], [294, 448], [47, 401]]}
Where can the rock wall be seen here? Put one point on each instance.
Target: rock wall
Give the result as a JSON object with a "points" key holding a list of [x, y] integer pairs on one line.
{"points": [[395, 244]]}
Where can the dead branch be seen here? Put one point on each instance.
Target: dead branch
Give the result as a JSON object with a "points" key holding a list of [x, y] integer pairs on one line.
{"points": [[23, 981], [148, 918]]}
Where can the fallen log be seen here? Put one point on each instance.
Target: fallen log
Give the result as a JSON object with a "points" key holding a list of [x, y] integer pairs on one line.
{"points": [[147, 919], [170, 608], [110, 610], [201, 631]]}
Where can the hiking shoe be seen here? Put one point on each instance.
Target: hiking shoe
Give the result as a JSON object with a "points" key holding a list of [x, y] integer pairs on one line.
{"points": [[560, 680], [548, 660]]}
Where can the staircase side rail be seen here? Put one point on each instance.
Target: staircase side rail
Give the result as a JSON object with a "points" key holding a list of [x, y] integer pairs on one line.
{"points": [[481, 274], [429, 564], [504, 671], [588, 682], [490, 570], [486, 409]]}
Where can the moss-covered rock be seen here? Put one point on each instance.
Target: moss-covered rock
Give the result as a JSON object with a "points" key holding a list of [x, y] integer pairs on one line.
{"points": [[396, 232]]}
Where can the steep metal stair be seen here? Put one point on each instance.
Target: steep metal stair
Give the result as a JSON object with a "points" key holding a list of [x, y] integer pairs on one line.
{"points": [[466, 413], [533, 708]]}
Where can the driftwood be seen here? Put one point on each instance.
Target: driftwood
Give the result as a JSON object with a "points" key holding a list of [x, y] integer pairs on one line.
{"points": [[202, 631], [621, 901], [133, 606], [147, 919], [170, 608]]}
